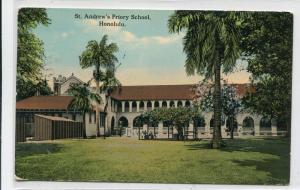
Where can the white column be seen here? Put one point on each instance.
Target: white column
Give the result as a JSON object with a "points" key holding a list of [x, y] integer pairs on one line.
{"points": [[256, 126], [274, 127], [130, 106], [160, 103], [191, 129], [152, 102], [207, 118], [175, 103], [137, 106], [123, 106], [145, 105], [183, 103], [240, 129], [160, 129], [130, 128], [168, 103]]}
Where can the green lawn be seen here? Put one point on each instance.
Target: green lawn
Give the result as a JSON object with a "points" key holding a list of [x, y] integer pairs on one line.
{"points": [[243, 161]]}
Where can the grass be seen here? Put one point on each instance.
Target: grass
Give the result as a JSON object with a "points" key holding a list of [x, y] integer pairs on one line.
{"points": [[242, 161]]}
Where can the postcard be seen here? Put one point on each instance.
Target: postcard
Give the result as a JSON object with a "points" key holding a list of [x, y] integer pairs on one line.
{"points": [[153, 96]]}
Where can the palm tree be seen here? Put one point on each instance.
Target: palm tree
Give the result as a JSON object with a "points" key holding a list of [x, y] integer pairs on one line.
{"points": [[102, 57], [82, 100], [211, 44]]}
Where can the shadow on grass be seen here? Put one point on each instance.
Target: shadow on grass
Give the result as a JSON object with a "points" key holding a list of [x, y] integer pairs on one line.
{"points": [[278, 168], [30, 149]]}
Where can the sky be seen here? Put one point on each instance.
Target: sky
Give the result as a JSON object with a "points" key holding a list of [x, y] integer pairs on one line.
{"points": [[148, 53]]}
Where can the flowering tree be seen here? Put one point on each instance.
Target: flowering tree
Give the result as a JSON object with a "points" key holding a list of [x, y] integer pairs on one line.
{"points": [[230, 102]]}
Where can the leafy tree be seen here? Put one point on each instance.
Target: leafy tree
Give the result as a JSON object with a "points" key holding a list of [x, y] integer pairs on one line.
{"points": [[211, 44], [102, 57], [267, 46], [83, 100], [178, 117], [30, 52]]}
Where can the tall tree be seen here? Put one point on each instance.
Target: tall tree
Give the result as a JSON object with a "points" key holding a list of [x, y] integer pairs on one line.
{"points": [[211, 44], [83, 100], [102, 57], [30, 52], [267, 46]]}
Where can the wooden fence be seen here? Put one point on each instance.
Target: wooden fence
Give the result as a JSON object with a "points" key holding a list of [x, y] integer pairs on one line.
{"points": [[50, 128], [20, 129]]}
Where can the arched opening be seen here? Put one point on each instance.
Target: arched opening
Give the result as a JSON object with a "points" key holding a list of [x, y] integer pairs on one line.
{"points": [[234, 125], [211, 123], [164, 104], [126, 106], [281, 124], [149, 105], [265, 124], [135, 122], [112, 125], [248, 125], [156, 104], [172, 104], [199, 122], [122, 124], [179, 103], [187, 103], [134, 106], [141, 106]]}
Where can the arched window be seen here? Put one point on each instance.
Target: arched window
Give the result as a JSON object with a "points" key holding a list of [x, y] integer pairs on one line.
{"points": [[179, 103], [134, 105], [187, 103], [149, 105], [156, 104], [142, 106], [172, 104], [164, 104]]}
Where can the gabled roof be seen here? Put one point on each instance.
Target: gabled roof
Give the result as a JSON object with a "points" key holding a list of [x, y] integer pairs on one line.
{"points": [[45, 102], [72, 76]]}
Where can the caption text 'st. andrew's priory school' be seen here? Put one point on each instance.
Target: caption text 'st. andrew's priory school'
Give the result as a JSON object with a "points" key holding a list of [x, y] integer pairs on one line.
{"points": [[126, 104]]}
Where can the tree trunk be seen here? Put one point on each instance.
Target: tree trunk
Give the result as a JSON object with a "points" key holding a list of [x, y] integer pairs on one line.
{"points": [[217, 138], [139, 132], [97, 110], [231, 127], [83, 127]]}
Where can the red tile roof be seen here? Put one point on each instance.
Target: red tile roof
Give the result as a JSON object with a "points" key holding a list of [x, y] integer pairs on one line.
{"points": [[45, 102], [154, 92], [151, 92], [164, 92]]}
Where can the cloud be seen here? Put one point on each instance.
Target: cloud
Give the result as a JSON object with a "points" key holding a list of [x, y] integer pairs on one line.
{"points": [[129, 37], [143, 76], [66, 34]]}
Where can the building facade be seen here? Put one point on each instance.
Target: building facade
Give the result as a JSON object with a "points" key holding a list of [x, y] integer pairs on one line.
{"points": [[119, 110]]}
